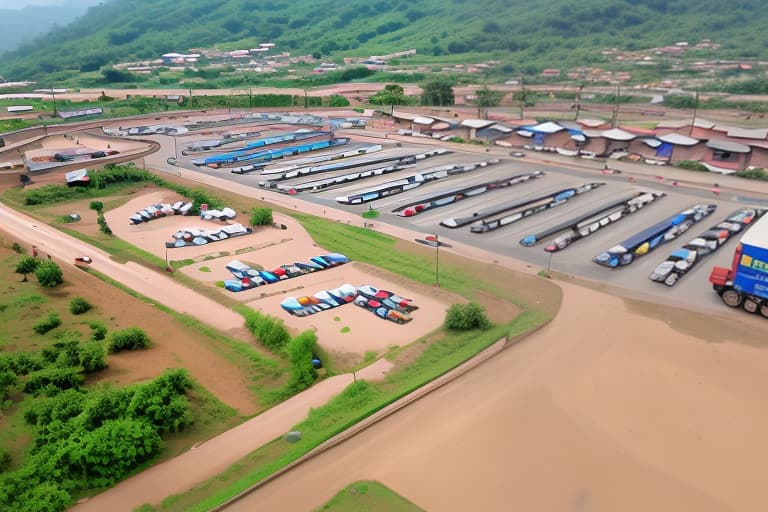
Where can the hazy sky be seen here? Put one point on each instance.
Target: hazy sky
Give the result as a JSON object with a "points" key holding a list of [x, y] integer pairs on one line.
{"points": [[20, 4]]}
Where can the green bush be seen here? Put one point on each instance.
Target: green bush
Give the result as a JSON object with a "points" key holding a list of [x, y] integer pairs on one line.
{"points": [[5, 459], [131, 338], [753, 174], [692, 165], [78, 306], [49, 274], [269, 330], [464, 317], [337, 100], [92, 357], [48, 323], [96, 206], [98, 330], [49, 194], [300, 352], [261, 217], [53, 379], [15, 247]]}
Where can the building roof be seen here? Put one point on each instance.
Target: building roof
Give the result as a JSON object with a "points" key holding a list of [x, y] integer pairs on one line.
{"points": [[673, 123], [591, 123], [727, 145], [748, 133], [404, 115], [501, 128], [423, 120], [650, 142], [548, 127], [476, 123], [570, 125], [678, 139], [617, 134]]}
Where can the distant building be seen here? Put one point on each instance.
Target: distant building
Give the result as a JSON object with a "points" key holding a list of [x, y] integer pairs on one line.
{"points": [[551, 73]]}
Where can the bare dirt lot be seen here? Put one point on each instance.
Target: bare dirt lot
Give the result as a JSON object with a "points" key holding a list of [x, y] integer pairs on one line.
{"points": [[605, 409]]}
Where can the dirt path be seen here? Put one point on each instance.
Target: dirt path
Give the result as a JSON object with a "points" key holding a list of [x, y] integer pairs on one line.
{"points": [[214, 456], [64, 248], [602, 410]]}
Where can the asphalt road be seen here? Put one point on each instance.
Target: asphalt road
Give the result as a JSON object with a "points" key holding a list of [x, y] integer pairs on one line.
{"points": [[692, 291]]}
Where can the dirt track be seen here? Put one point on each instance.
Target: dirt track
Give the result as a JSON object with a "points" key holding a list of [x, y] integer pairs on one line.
{"points": [[603, 410]]}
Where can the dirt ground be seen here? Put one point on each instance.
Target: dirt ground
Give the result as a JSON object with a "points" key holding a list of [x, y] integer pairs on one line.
{"points": [[269, 248], [605, 409], [174, 346]]}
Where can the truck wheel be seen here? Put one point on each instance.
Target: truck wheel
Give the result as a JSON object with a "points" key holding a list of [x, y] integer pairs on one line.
{"points": [[764, 310], [732, 298], [750, 306]]}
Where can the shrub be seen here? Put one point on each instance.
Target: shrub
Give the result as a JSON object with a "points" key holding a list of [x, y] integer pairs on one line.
{"points": [[53, 379], [5, 459], [337, 100], [131, 338], [96, 206], [49, 274], [267, 329], [753, 174], [692, 165], [98, 330], [261, 217], [15, 247], [79, 305], [92, 357], [300, 352], [464, 317], [48, 323]]}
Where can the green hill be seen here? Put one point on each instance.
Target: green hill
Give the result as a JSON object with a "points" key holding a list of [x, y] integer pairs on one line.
{"points": [[523, 35]]}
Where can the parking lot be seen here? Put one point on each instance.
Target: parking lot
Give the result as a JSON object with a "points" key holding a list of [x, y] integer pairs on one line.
{"points": [[692, 290]]}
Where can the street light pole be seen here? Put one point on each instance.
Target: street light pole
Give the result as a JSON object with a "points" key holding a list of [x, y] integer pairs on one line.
{"points": [[437, 261]]}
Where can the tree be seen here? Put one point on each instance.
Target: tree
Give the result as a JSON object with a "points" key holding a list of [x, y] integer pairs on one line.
{"points": [[27, 265], [337, 100], [49, 274], [392, 94], [96, 206], [438, 91]]}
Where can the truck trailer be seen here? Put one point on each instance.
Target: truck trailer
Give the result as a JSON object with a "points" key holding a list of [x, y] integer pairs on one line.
{"points": [[745, 284]]}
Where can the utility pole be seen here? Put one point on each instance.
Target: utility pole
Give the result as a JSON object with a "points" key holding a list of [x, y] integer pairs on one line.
{"points": [[578, 101], [522, 97], [615, 119], [695, 111], [250, 98], [53, 95]]}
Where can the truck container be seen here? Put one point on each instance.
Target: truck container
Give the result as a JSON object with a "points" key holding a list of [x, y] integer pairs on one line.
{"points": [[745, 284]]}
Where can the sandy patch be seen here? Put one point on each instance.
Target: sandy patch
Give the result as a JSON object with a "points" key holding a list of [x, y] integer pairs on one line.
{"points": [[365, 330], [603, 410]]}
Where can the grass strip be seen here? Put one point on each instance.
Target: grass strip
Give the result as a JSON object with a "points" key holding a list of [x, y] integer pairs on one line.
{"points": [[355, 403], [368, 496]]}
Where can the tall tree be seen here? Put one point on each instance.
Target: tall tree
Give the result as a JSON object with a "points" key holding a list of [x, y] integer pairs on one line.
{"points": [[438, 91], [27, 265]]}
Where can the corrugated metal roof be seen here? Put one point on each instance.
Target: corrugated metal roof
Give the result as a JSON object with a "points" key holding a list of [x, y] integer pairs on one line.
{"points": [[673, 123], [748, 133], [476, 123], [617, 134], [502, 128], [525, 133], [678, 139], [727, 145], [404, 115], [703, 123], [548, 127], [593, 133], [423, 120], [592, 123], [654, 143]]}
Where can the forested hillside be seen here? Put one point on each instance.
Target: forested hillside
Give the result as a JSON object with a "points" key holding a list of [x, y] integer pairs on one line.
{"points": [[518, 32], [23, 25]]}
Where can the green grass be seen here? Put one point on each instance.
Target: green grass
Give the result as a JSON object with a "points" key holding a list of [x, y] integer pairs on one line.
{"points": [[204, 269], [265, 372], [345, 329], [368, 496], [357, 402], [374, 248]]}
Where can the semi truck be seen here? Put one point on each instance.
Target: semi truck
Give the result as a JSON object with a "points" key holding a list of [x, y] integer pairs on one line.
{"points": [[745, 284]]}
